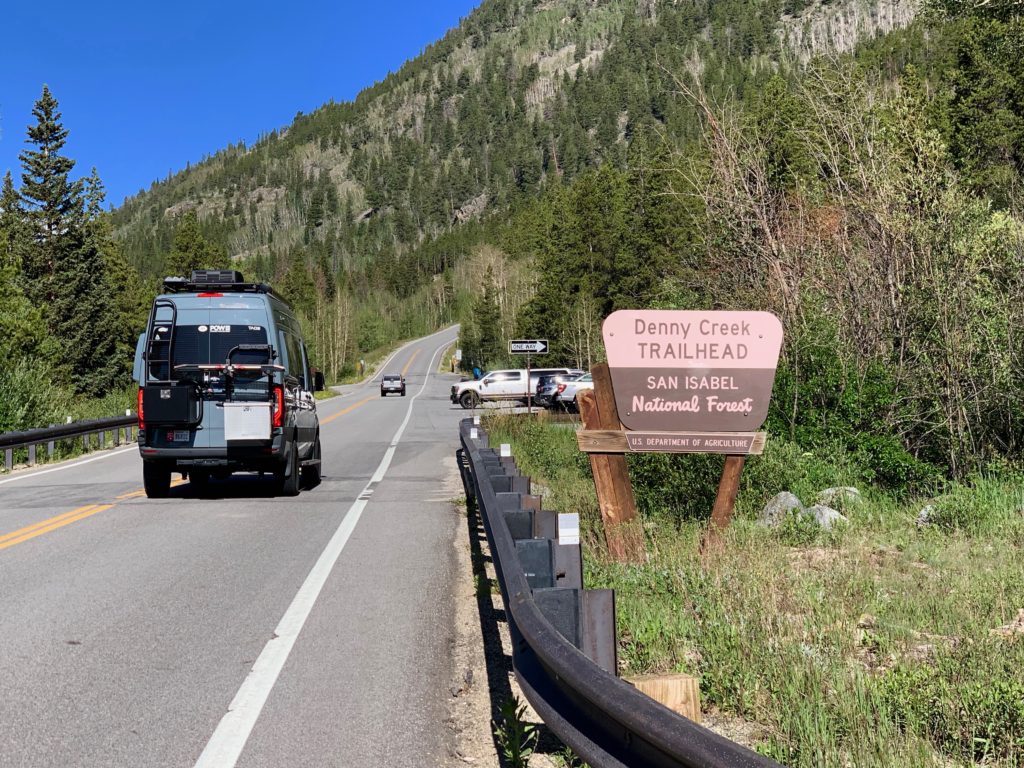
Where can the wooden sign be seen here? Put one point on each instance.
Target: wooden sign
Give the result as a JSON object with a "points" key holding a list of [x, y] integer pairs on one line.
{"points": [[692, 371]]}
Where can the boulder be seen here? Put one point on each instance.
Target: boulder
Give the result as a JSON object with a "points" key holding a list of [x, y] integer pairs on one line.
{"points": [[775, 511], [826, 517], [839, 495], [924, 517]]}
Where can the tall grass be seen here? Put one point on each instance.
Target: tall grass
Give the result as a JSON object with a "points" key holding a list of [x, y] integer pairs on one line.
{"points": [[869, 645]]}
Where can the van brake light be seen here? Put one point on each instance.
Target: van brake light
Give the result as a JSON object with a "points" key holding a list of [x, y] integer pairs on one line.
{"points": [[142, 419], [277, 416], [561, 388], [209, 295]]}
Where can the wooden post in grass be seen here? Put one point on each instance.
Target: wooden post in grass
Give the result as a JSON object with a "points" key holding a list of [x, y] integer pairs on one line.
{"points": [[680, 693], [725, 502], [611, 477]]}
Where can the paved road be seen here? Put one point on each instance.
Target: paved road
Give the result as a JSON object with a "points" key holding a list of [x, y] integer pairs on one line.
{"points": [[130, 627]]}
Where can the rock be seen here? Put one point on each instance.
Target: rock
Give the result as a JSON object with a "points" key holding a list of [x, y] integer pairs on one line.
{"points": [[826, 517], [840, 495], [1015, 627], [866, 621], [924, 517], [775, 511]]}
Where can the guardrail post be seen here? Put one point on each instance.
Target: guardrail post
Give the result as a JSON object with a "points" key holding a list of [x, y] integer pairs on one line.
{"points": [[597, 614], [102, 435], [32, 454], [85, 442], [50, 446], [9, 459]]}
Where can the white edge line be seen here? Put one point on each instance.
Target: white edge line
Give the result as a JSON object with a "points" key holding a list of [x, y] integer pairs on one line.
{"points": [[106, 454], [228, 740]]}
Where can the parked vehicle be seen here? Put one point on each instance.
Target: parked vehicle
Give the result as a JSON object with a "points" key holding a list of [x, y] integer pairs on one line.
{"points": [[225, 385], [392, 382], [547, 386], [566, 392], [508, 384]]}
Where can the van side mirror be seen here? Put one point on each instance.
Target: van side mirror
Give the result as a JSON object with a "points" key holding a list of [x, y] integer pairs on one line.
{"points": [[318, 382]]}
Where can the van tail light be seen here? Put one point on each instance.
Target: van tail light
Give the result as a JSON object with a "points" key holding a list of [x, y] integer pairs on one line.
{"points": [[561, 388], [142, 417], [277, 415]]}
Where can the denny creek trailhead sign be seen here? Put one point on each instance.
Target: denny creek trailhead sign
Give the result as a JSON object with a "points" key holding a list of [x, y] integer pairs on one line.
{"points": [[679, 381], [691, 381]]}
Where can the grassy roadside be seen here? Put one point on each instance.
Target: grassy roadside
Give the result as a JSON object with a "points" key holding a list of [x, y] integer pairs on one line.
{"points": [[881, 643], [60, 408]]}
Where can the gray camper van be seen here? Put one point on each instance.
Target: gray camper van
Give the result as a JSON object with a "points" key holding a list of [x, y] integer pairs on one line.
{"points": [[225, 385]]}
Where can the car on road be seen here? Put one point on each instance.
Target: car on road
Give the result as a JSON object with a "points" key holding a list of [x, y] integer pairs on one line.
{"points": [[225, 385], [547, 385], [392, 382], [566, 392], [511, 384]]}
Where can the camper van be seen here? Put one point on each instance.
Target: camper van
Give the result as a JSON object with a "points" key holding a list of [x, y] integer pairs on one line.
{"points": [[225, 386]]}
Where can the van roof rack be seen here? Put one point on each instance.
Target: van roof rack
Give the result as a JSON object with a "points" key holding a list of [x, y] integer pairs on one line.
{"points": [[221, 280]]}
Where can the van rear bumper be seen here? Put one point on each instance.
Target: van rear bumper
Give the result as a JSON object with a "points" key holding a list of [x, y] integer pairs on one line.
{"points": [[259, 455]]}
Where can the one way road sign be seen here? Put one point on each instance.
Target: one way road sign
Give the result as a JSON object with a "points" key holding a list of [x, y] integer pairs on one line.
{"points": [[528, 346]]}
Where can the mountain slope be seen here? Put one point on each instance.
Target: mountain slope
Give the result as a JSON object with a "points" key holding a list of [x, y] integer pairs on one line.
{"points": [[521, 92]]}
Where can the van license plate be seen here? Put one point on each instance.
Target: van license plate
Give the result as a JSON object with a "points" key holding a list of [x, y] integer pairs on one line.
{"points": [[178, 436]]}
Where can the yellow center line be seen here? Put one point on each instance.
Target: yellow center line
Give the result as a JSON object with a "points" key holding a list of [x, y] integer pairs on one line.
{"points": [[352, 407], [31, 531], [43, 523], [53, 523], [409, 364]]}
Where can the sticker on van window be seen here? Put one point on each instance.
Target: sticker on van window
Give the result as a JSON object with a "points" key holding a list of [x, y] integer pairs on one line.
{"points": [[255, 328], [202, 329], [220, 329]]}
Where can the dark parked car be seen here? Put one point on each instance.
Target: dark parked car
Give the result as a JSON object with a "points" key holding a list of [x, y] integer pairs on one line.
{"points": [[547, 386], [392, 382]]}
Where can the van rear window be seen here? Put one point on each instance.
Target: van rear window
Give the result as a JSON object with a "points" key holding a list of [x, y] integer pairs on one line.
{"points": [[204, 344]]}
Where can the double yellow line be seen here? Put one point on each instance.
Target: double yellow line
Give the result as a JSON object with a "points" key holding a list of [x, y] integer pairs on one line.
{"points": [[53, 523], [38, 529]]}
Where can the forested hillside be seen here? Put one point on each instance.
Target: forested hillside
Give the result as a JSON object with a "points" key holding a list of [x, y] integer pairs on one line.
{"points": [[373, 203]]}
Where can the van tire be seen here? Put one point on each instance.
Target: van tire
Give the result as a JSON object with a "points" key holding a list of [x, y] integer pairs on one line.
{"points": [[469, 400], [156, 478], [288, 480], [311, 474], [199, 479]]}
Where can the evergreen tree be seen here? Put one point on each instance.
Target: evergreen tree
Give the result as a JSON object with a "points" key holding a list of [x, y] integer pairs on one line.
{"points": [[95, 194], [12, 224], [53, 201], [190, 249]]}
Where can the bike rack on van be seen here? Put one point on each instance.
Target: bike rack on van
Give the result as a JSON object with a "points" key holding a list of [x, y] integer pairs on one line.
{"points": [[228, 370]]}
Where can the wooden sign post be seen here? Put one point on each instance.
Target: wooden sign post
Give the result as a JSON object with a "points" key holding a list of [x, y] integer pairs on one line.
{"points": [[678, 381], [611, 477]]}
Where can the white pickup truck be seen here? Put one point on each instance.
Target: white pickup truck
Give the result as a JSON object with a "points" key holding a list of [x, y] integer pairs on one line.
{"points": [[499, 385]]}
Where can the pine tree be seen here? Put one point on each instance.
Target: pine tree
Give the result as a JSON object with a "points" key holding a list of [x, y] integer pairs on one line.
{"points": [[95, 194], [12, 224], [52, 199], [190, 249]]}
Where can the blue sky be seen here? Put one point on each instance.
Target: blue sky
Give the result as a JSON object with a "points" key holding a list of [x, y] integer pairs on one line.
{"points": [[146, 87]]}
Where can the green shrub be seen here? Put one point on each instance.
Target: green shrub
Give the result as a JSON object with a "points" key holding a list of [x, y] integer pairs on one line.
{"points": [[29, 398], [980, 508]]}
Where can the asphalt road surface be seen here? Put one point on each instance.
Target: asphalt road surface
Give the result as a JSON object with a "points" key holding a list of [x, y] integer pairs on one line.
{"points": [[241, 629]]}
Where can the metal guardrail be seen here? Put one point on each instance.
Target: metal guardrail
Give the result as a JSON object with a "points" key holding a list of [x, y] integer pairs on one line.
{"points": [[9, 441], [560, 649]]}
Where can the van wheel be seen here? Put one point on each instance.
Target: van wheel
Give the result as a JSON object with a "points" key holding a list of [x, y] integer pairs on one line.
{"points": [[199, 479], [469, 400], [288, 484], [311, 474], [157, 479]]}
